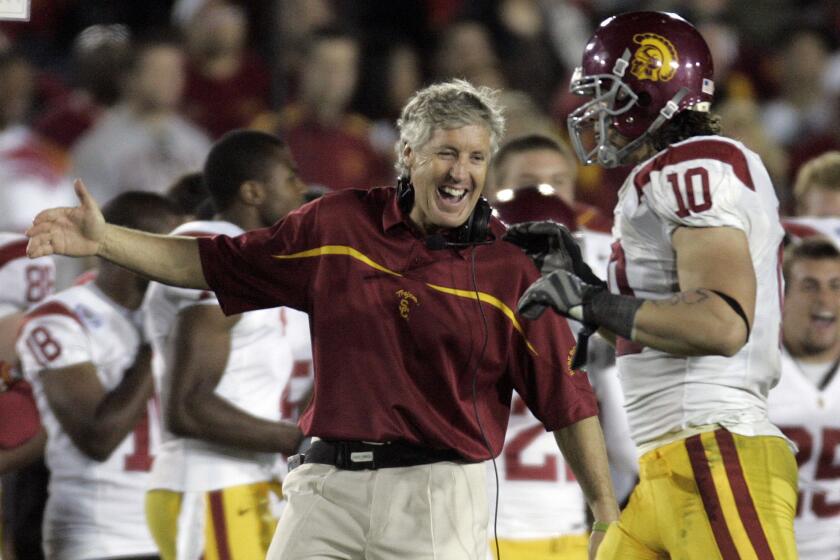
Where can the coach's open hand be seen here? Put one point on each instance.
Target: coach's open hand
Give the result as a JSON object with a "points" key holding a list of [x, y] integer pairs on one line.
{"points": [[76, 232]]}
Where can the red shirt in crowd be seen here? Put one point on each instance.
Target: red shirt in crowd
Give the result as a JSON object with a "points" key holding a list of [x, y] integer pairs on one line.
{"points": [[397, 333], [336, 156], [221, 105]]}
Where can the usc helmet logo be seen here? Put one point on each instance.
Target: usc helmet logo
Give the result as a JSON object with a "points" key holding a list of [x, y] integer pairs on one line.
{"points": [[656, 58]]}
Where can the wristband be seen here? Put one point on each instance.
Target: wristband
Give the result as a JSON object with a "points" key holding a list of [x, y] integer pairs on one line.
{"points": [[601, 526], [616, 313]]}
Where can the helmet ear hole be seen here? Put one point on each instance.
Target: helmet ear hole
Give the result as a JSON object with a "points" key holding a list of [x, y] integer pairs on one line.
{"points": [[644, 99]]}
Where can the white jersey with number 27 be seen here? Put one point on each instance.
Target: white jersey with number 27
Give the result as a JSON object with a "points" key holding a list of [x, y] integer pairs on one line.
{"points": [[706, 181]]}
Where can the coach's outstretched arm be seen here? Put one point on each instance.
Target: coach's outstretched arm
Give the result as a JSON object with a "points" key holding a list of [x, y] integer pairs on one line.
{"points": [[82, 231]]}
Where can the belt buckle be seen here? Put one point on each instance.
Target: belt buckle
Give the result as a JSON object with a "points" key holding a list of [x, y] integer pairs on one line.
{"points": [[351, 457], [361, 456]]}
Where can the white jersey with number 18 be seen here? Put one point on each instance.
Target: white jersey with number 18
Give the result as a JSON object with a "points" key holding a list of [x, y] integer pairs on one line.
{"points": [[707, 181], [95, 509]]}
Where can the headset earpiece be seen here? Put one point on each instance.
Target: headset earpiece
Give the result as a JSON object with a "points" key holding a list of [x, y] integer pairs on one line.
{"points": [[405, 194]]}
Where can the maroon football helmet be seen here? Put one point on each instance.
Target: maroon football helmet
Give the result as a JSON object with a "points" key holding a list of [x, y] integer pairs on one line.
{"points": [[640, 69], [538, 202]]}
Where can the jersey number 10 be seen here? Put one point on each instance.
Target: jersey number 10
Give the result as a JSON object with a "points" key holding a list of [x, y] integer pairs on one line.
{"points": [[689, 200]]}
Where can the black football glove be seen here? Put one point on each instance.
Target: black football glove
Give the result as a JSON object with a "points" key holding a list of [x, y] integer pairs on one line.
{"points": [[552, 247], [562, 291], [567, 294]]}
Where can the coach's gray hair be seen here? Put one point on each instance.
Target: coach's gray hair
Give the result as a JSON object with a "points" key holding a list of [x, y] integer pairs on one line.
{"points": [[447, 105]]}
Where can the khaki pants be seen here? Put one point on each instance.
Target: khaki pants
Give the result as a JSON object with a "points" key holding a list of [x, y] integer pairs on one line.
{"points": [[437, 511]]}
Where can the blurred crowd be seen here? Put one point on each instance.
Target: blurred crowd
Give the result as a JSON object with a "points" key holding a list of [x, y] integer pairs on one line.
{"points": [[130, 96]]}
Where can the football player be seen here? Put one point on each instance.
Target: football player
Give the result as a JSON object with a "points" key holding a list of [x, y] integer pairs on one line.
{"points": [[83, 353], [221, 378], [535, 161], [694, 298], [25, 283], [806, 402]]}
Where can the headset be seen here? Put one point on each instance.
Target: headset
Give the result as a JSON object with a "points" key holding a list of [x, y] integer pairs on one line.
{"points": [[475, 231]]}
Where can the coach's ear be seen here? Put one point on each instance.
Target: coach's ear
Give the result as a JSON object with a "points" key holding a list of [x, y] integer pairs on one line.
{"points": [[252, 193], [408, 155]]}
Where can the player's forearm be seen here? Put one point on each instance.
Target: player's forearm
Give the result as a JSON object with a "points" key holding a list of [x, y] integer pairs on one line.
{"points": [[120, 410], [582, 445], [212, 418], [24, 454], [693, 323], [168, 259]]}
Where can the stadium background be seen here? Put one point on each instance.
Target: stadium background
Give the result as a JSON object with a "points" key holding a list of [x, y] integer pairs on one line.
{"points": [[777, 71]]}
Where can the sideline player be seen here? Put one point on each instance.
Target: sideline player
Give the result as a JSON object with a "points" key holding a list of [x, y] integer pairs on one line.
{"points": [[82, 351], [694, 299], [24, 283], [542, 512], [416, 345], [220, 378], [546, 163], [806, 402]]}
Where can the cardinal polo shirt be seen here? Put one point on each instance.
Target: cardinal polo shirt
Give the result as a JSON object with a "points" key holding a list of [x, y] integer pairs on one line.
{"points": [[400, 333]]}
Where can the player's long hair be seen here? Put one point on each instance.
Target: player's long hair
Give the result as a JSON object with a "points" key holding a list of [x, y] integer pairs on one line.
{"points": [[683, 126]]}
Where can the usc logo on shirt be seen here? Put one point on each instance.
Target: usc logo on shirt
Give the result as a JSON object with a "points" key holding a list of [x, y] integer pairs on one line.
{"points": [[406, 298]]}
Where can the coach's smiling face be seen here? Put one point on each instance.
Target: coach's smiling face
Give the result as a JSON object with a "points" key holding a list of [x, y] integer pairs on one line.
{"points": [[448, 175]]}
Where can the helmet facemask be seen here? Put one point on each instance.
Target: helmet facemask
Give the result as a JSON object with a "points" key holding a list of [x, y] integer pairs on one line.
{"points": [[611, 97]]}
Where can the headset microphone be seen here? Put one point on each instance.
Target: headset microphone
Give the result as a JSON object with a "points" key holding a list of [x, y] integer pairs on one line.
{"points": [[437, 242]]}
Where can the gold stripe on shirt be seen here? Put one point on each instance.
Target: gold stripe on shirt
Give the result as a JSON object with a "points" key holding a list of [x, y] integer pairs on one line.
{"points": [[359, 256]]}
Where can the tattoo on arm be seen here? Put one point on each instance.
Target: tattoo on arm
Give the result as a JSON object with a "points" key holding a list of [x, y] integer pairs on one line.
{"points": [[689, 298]]}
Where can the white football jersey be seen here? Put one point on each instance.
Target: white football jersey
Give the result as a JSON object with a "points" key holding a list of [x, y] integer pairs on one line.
{"points": [[811, 418], [596, 249], [260, 365], [539, 497], [31, 181], [24, 281], [95, 509], [808, 226], [705, 181]]}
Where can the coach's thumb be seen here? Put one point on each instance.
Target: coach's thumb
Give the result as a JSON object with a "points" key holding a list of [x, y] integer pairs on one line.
{"points": [[85, 200]]}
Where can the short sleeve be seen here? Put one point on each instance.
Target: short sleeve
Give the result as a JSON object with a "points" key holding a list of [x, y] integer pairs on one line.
{"points": [[540, 370], [700, 184], [51, 342], [263, 268]]}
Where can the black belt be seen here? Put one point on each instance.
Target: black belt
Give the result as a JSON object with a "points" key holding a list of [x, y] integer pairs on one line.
{"points": [[359, 456]]}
